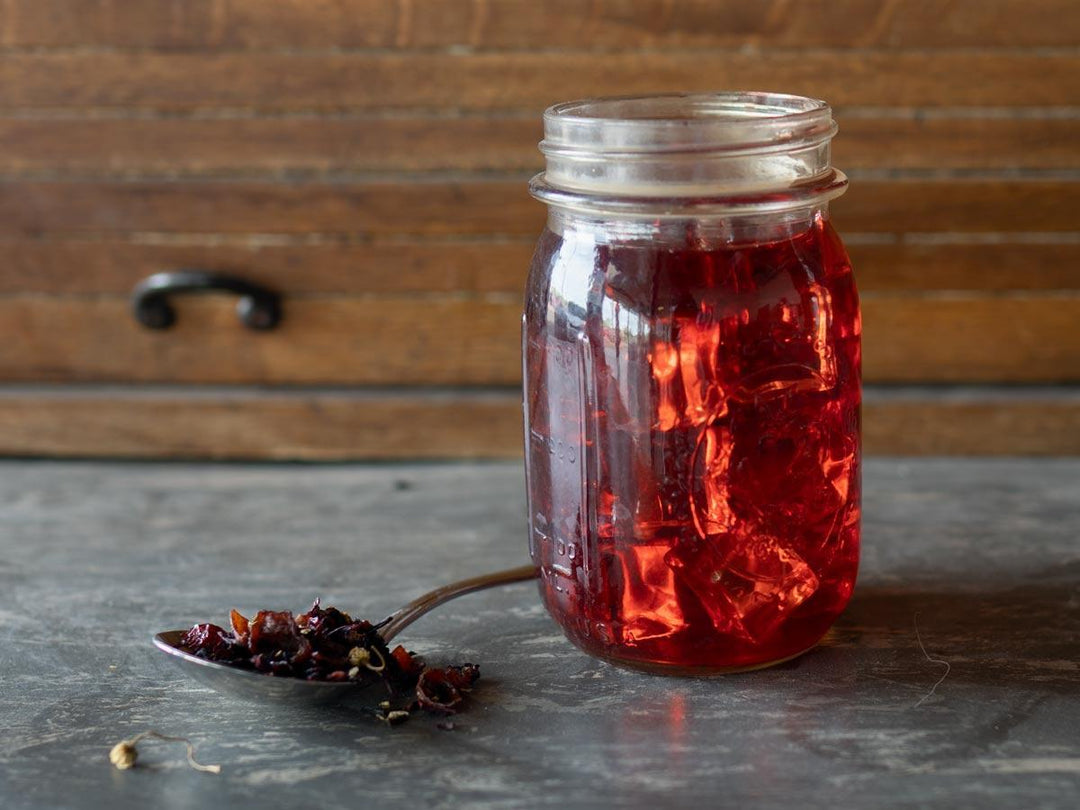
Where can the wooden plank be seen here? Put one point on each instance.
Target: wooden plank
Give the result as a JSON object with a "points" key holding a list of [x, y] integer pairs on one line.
{"points": [[958, 206], [236, 146], [474, 207], [377, 208], [297, 266], [976, 423], [957, 143], [526, 81], [734, 23], [184, 24], [79, 267], [431, 340], [524, 24], [411, 340], [988, 266], [314, 425], [240, 145], [254, 425], [968, 338]]}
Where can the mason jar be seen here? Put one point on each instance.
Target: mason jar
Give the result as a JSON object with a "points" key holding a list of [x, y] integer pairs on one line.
{"points": [[691, 344]]}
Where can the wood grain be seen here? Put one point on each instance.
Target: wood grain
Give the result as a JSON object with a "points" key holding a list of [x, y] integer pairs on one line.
{"points": [[978, 424], [308, 425], [989, 266], [433, 207], [299, 266], [239, 146], [420, 341], [526, 81], [196, 24], [958, 205], [261, 425], [436, 340], [479, 207], [957, 143], [964, 338]]}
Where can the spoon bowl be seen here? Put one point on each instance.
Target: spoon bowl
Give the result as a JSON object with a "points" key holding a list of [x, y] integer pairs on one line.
{"points": [[249, 685]]}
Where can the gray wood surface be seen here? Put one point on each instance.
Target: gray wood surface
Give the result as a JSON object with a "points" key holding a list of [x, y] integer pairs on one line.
{"points": [[94, 558]]}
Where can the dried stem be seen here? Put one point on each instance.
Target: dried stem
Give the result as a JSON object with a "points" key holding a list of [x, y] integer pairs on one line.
{"points": [[124, 754], [944, 675]]}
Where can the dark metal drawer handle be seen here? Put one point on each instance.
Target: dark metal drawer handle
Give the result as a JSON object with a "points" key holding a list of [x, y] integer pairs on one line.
{"points": [[258, 307]]}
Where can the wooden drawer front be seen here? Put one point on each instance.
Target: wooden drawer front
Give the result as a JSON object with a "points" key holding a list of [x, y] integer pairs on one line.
{"points": [[435, 340], [369, 160]]}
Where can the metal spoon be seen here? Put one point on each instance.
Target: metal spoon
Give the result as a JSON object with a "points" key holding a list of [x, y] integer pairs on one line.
{"points": [[257, 686]]}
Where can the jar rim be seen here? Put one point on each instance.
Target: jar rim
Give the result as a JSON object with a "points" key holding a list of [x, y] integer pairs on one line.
{"points": [[744, 150], [679, 122]]}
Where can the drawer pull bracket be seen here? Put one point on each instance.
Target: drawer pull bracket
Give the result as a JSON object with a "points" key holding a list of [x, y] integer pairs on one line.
{"points": [[258, 307]]}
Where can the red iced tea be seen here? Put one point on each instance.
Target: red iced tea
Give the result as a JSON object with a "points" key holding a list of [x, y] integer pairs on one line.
{"points": [[692, 416]]}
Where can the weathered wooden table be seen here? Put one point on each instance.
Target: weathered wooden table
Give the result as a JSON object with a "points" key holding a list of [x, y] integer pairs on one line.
{"points": [[982, 554]]}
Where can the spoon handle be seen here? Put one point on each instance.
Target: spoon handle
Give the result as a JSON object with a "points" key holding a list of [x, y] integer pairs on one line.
{"points": [[402, 618]]}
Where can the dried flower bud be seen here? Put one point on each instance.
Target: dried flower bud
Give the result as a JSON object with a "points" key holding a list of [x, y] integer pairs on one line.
{"points": [[123, 755]]}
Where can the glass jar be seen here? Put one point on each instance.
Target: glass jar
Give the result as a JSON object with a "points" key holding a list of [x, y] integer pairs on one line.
{"points": [[691, 344]]}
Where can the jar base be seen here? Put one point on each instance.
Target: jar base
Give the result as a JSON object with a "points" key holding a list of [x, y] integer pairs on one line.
{"points": [[695, 672]]}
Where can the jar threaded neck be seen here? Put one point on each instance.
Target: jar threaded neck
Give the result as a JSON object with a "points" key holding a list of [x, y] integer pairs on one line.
{"points": [[760, 151]]}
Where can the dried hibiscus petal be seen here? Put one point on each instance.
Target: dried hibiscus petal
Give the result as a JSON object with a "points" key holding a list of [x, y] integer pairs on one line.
{"points": [[354, 634], [442, 690], [239, 626], [409, 666], [212, 642], [272, 664], [320, 621], [276, 633]]}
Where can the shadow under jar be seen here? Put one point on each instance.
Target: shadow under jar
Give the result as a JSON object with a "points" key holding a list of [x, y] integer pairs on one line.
{"points": [[691, 343]]}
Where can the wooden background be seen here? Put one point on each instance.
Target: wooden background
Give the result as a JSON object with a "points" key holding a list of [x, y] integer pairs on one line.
{"points": [[368, 158]]}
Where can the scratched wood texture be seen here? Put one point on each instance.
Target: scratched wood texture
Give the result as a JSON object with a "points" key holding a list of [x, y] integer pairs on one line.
{"points": [[967, 562], [368, 159]]}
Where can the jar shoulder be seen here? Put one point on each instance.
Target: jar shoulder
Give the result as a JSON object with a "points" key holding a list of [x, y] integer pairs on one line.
{"points": [[576, 271]]}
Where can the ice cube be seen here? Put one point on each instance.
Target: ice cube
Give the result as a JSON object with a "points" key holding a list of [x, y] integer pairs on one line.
{"points": [[798, 468], [748, 583], [698, 565], [788, 347], [664, 361], [649, 604], [688, 374], [699, 357], [710, 494], [766, 581]]}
